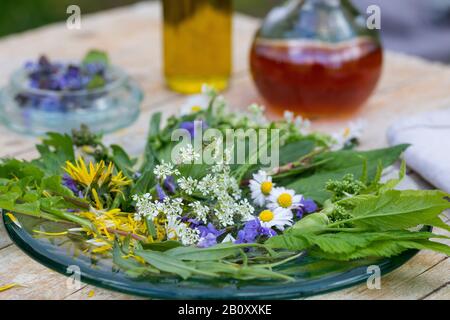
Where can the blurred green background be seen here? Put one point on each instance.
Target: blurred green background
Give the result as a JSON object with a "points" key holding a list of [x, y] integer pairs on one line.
{"points": [[20, 15]]}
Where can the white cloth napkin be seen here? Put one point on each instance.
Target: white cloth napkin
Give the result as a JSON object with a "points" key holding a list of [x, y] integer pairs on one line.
{"points": [[429, 136]]}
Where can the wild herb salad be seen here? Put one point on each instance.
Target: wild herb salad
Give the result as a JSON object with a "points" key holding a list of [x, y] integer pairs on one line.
{"points": [[172, 212]]}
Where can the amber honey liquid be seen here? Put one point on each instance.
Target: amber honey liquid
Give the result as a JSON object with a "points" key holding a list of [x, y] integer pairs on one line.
{"points": [[315, 79]]}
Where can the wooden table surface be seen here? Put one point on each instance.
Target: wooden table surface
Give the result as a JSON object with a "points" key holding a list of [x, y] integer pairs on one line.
{"points": [[132, 36]]}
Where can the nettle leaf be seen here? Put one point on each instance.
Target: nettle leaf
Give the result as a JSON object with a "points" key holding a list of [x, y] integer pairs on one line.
{"points": [[55, 150], [344, 243], [26, 172], [395, 209], [385, 249], [54, 184], [338, 164]]}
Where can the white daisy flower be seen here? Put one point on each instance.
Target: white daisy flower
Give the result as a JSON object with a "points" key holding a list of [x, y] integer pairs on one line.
{"points": [[261, 186], [284, 199], [279, 218], [353, 131], [288, 116], [194, 104]]}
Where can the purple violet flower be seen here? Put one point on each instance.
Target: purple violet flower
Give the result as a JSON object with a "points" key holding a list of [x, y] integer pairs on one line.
{"points": [[169, 184], [137, 175], [69, 183], [252, 230], [307, 206], [208, 235], [193, 223], [209, 241], [161, 194], [192, 126]]}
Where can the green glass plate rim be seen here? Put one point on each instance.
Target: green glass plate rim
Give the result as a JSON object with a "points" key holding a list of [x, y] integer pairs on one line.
{"points": [[284, 291]]}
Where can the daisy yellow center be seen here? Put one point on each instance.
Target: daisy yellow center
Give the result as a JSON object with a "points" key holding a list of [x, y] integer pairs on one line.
{"points": [[346, 132], [266, 216], [196, 109], [266, 187], [285, 200]]}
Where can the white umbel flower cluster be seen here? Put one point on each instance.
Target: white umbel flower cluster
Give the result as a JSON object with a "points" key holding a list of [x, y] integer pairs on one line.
{"points": [[187, 155], [164, 170], [146, 208], [188, 185], [179, 231], [200, 211]]}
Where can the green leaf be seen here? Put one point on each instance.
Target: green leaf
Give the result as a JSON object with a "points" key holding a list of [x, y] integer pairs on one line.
{"points": [[96, 56], [385, 249], [150, 156], [122, 160], [217, 252], [131, 267], [338, 164], [294, 151], [170, 264], [312, 223], [144, 183], [96, 82], [391, 184], [161, 246], [395, 209], [55, 150], [54, 184], [343, 243]]}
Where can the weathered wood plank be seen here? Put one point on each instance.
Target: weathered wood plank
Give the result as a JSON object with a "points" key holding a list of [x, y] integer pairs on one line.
{"points": [[93, 293], [37, 282], [443, 293], [401, 283]]}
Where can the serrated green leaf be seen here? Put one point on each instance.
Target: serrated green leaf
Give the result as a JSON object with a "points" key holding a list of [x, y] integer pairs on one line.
{"points": [[338, 164], [393, 210]]}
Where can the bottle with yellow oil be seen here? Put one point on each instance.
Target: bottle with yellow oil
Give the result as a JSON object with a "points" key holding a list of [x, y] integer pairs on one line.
{"points": [[197, 44]]}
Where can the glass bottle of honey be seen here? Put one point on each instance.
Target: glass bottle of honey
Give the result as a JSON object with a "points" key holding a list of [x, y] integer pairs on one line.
{"points": [[197, 44], [316, 58]]}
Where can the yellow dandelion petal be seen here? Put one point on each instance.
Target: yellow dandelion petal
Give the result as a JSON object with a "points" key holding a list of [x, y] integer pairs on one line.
{"points": [[98, 203], [51, 234], [9, 286]]}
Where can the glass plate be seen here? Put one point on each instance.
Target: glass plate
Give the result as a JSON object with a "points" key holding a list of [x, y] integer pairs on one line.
{"points": [[312, 276]]}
